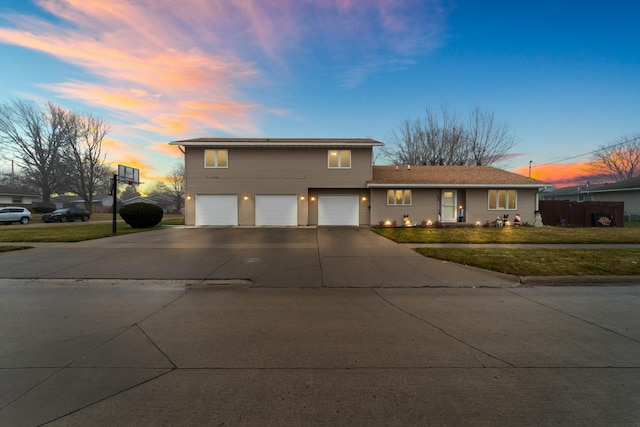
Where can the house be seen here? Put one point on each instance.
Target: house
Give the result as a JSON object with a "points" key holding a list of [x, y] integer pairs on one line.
{"points": [[627, 191], [13, 196], [300, 182]]}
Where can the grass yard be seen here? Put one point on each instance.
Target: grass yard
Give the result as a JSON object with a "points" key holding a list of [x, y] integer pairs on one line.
{"points": [[630, 233], [544, 262], [531, 262], [98, 227]]}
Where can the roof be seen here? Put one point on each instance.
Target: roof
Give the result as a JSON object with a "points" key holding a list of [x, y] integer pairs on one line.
{"points": [[280, 142], [631, 184], [449, 176], [4, 189]]}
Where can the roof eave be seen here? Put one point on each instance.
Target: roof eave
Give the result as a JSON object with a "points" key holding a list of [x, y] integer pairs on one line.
{"points": [[281, 144], [461, 185]]}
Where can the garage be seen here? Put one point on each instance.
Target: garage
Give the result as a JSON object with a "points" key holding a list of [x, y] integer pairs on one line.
{"points": [[338, 209], [217, 209], [276, 210]]}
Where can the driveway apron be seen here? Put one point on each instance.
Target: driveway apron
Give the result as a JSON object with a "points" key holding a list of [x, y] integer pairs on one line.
{"points": [[268, 257]]}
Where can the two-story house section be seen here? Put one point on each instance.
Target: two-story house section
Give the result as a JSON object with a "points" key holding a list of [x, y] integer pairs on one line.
{"points": [[277, 181]]}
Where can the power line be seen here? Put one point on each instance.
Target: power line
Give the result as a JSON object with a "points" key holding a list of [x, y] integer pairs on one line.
{"points": [[590, 152]]}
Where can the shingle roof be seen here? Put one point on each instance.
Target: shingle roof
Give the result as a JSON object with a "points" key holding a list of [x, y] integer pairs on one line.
{"points": [[278, 142], [4, 189], [449, 176], [631, 184]]}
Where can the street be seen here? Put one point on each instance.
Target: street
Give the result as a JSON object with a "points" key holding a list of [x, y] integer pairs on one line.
{"points": [[109, 352]]}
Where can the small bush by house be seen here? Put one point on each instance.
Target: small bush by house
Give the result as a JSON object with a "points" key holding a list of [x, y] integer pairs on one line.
{"points": [[141, 215]]}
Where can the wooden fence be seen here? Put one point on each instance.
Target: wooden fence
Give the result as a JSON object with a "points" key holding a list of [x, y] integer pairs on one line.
{"points": [[565, 213]]}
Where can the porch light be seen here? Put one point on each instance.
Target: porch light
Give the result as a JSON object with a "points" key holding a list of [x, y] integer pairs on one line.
{"points": [[364, 198], [313, 198], [188, 196], [246, 197], [302, 198]]}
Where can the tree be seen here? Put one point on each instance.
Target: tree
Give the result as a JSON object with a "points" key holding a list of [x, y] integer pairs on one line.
{"points": [[37, 137], [129, 193], [620, 160], [83, 156], [443, 139], [176, 184], [488, 140]]}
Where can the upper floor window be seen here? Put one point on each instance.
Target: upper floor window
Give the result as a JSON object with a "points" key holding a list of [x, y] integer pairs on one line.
{"points": [[340, 159], [503, 199], [398, 197], [216, 158]]}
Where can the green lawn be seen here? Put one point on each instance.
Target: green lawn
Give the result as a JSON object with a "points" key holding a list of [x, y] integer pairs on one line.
{"points": [[531, 262], [630, 233], [99, 226]]}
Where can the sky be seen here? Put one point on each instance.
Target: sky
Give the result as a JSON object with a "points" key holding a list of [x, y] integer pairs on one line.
{"points": [[564, 75]]}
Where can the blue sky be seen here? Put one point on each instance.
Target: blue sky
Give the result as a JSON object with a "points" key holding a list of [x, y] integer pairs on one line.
{"points": [[563, 74]]}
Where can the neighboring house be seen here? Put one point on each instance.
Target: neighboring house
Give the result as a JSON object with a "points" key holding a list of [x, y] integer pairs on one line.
{"points": [[12, 196], [139, 199], [299, 182], [627, 191]]}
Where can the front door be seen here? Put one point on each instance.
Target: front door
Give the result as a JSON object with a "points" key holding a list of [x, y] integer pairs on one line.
{"points": [[449, 205]]}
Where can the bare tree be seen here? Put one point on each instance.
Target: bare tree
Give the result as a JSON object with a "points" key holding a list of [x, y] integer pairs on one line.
{"points": [[443, 139], [620, 160], [36, 136], [84, 158], [176, 184], [488, 140]]}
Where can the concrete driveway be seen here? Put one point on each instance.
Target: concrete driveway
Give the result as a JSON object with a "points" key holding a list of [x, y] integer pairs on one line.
{"points": [[268, 257]]}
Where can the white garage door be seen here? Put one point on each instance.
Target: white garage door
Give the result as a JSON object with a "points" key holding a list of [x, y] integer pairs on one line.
{"points": [[216, 209], [276, 210], [338, 209]]}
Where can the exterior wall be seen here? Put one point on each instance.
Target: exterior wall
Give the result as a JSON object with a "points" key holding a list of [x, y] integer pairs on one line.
{"points": [[477, 209], [631, 200], [364, 198], [426, 206], [269, 170], [7, 200]]}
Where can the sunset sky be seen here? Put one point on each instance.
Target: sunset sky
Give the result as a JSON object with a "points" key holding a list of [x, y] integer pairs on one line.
{"points": [[564, 74]]}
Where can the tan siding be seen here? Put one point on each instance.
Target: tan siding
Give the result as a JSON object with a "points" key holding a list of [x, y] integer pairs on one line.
{"points": [[477, 209], [254, 171], [631, 200], [424, 207]]}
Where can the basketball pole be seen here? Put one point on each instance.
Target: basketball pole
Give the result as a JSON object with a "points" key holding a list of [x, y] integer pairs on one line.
{"points": [[115, 201]]}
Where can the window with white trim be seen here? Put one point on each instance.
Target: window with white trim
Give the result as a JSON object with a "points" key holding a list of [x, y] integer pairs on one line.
{"points": [[503, 199], [398, 197], [218, 158], [339, 159]]}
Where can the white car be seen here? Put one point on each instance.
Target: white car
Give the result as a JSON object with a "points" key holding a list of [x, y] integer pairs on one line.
{"points": [[15, 214]]}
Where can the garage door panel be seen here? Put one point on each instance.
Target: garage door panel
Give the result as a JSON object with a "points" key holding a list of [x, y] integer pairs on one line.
{"points": [[339, 209], [220, 210], [276, 210]]}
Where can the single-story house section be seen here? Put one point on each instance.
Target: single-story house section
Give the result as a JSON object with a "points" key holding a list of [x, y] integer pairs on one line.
{"points": [[471, 194], [300, 182], [12, 196]]}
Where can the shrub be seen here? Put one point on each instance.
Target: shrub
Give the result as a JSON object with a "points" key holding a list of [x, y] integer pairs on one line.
{"points": [[141, 215]]}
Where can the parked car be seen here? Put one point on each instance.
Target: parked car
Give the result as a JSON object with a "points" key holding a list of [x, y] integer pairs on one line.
{"points": [[15, 214], [66, 215]]}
